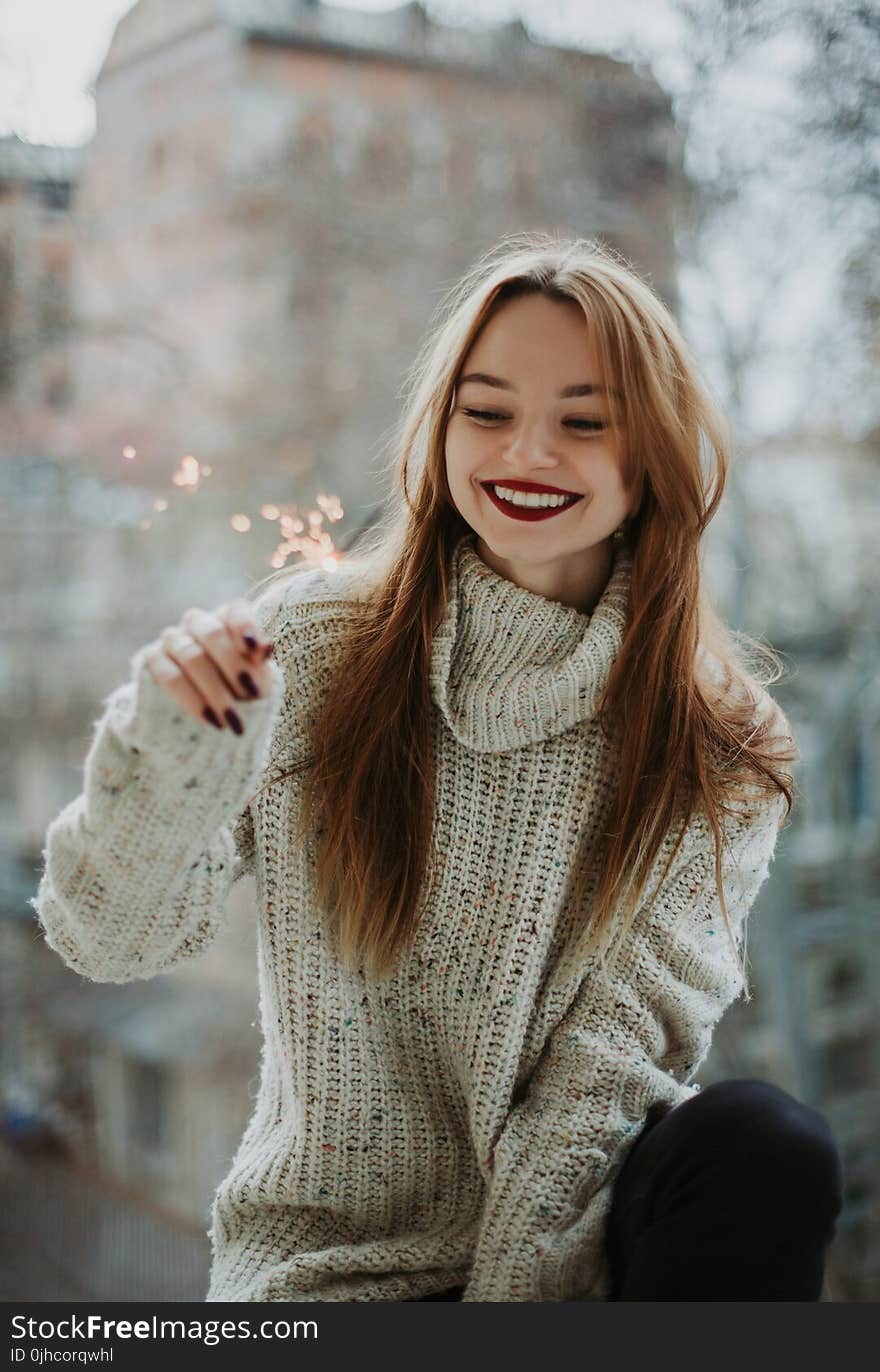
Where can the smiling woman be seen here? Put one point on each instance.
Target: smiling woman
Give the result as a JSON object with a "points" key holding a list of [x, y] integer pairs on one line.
{"points": [[508, 802]]}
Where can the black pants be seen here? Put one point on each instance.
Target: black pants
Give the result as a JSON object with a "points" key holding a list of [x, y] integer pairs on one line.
{"points": [[731, 1196]]}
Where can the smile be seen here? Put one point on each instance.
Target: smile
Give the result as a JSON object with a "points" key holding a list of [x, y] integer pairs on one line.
{"points": [[529, 507]]}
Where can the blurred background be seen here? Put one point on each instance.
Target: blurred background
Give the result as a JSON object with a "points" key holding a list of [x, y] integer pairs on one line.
{"points": [[223, 227]]}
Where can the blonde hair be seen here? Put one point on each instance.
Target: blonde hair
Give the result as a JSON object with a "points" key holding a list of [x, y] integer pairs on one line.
{"points": [[685, 706]]}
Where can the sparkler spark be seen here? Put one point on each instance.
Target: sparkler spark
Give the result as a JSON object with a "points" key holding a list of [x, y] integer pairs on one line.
{"points": [[301, 531], [188, 472]]}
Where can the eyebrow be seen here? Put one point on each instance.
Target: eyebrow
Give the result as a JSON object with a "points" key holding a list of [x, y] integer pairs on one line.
{"points": [[580, 388]]}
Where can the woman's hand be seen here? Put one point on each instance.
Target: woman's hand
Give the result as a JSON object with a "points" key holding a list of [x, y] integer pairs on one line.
{"points": [[205, 663]]}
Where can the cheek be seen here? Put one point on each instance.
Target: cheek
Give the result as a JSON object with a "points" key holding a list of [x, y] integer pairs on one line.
{"points": [[605, 475], [461, 461]]}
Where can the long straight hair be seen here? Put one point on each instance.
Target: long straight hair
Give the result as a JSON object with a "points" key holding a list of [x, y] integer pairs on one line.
{"points": [[685, 705]]}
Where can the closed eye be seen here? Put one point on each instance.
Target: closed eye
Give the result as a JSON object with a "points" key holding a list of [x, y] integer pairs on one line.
{"points": [[488, 416]]}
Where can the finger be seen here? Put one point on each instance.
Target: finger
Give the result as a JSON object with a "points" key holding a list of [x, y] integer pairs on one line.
{"points": [[241, 623], [242, 679], [203, 673], [171, 679]]}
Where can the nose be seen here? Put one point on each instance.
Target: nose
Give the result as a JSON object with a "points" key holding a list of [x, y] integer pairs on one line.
{"points": [[528, 444]]}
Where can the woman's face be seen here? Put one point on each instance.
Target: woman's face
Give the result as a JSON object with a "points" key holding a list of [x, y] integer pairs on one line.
{"points": [[514, 423]]}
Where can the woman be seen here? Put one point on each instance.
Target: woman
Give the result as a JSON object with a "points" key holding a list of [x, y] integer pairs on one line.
{"points": [[519, 790]]}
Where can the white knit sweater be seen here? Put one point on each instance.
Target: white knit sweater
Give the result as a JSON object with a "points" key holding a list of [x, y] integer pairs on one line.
{"points": [[464, 1121]]}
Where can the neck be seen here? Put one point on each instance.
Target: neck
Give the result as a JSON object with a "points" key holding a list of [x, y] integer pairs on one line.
{"points": [[577, 582]]}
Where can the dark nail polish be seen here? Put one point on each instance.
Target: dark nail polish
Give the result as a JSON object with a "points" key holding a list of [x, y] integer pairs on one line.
{"points": [[251, 641], [234, 721], [211, 717], [268, 650], [248, 683]]}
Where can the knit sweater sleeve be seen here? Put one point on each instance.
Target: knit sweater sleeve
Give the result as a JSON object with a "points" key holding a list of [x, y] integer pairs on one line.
{"points": [[138, 866], [620, 1048]]}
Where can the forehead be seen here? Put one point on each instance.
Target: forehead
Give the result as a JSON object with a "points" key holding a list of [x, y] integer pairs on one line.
{"points": [[535, 331]]}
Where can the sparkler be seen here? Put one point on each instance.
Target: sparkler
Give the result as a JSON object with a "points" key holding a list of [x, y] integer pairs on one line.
{"points": [[301, 531]]}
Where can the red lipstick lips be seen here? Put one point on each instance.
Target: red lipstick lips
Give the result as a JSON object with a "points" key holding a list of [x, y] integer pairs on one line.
{"points": [[522, 512]]}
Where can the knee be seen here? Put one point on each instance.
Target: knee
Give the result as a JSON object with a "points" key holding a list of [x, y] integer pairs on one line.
{"points": [[755, 1119]]}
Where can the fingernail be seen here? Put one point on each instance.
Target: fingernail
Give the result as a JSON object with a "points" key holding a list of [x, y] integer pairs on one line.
{"points": [[211, 717], [268, 650], [234, 721], [251, 641], [248, 683]]}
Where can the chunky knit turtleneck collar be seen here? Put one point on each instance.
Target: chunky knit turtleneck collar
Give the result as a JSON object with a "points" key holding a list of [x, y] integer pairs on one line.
{"points": [[510, 667]]}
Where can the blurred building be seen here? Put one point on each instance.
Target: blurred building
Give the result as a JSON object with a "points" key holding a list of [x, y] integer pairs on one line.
{"points": [[241, 266]]}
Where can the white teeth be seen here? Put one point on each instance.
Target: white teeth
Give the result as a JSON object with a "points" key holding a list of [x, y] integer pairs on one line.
{"points": [[534, 502]]}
